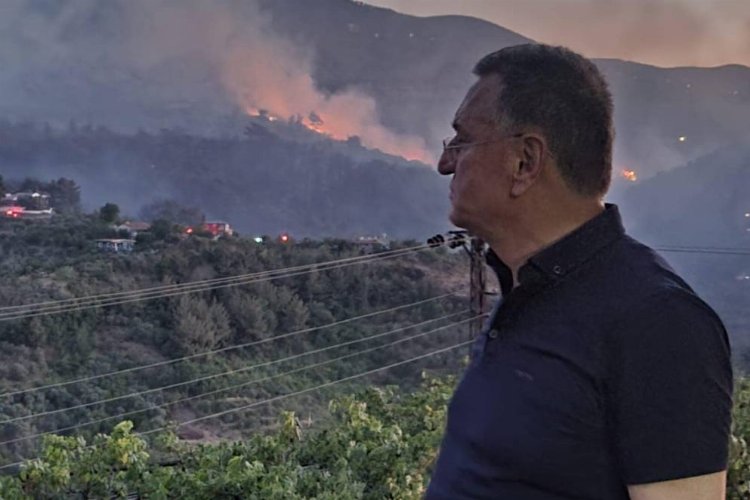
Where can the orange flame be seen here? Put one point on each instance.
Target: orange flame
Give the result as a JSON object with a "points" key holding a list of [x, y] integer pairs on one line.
{"points": [[272, 82], [339, 128], [629, 175]]}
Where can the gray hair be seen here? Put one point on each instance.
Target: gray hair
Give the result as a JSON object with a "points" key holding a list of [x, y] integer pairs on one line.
{"points": [[566, 96]]}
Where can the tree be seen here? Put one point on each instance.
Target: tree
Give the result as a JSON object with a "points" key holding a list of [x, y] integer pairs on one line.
{"points": [[198, 325], [2, 187], [161, 229], [65, 194], [109, 213]]}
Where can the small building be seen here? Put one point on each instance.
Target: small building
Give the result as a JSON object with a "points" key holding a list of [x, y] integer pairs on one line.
{"points": [[115, 245], [28, 200], [217, 228], [26, 206], [370, 244]]}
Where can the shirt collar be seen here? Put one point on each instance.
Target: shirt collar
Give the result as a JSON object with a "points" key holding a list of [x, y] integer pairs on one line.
{"points": [[565, 255]]}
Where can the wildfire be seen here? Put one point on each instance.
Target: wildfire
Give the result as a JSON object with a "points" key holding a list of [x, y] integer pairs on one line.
{"points": [[313, 122], [340, 128], [629, 175], [261, 113]]}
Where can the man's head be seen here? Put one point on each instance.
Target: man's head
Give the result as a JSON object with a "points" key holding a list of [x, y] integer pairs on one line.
{"points": [[537, 124]]}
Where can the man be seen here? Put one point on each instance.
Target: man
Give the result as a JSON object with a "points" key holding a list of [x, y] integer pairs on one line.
{"points": [[600, 375]]}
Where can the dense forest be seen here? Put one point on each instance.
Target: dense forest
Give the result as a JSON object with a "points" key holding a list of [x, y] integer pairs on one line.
{"points": [[58, 259]]}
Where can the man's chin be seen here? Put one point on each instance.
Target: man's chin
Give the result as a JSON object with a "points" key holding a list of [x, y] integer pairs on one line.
{"points": [[459, 221]]}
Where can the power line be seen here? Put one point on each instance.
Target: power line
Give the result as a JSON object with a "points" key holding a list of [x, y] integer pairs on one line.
{"points": [[310, 389], [96, 301], [703, 250], [185, 290], [206, 377], [225, 349], [285, 396], [252, 382], [161, 288]]}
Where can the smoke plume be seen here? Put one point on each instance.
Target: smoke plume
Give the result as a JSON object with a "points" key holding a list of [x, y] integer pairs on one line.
{"points": [[166, 63]]}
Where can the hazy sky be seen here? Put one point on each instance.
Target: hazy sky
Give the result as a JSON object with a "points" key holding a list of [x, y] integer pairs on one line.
{"points": [[659, 32]]}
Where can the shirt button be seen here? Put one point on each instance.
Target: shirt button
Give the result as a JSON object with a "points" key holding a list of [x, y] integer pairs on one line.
{"points": [[493, 333], [557, 270]]}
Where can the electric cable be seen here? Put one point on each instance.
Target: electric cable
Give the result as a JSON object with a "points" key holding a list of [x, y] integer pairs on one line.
{"points": [[310, 389], [224, 349], [198, 379], [283, 396], [96, 297], [185, 290], [702, 250], [250, 382]]}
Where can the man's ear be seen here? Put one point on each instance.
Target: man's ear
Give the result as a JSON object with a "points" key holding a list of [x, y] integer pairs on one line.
{"points": [[529, 164]]}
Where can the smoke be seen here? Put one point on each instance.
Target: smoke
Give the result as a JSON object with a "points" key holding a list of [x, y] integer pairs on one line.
{"points": [[278, 80], [162, 63], [661, 32]]}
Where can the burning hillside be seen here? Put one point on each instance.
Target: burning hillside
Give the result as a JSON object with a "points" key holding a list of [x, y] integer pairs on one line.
{"points": [[338, 128], [279, 88]]}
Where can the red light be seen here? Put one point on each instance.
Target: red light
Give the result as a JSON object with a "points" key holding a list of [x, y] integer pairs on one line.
{"points": [[189, 230], [284, 238]]}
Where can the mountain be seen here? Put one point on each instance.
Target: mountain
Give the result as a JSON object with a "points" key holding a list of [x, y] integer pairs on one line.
{"points": [[418, 69], [156, 64], [703, 203]]}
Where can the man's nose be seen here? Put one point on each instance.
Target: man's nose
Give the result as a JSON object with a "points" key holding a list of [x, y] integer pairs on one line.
{"points": [[446, 163]]}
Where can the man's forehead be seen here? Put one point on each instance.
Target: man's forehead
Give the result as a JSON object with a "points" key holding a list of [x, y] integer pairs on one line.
{"points": [[479, 105]]}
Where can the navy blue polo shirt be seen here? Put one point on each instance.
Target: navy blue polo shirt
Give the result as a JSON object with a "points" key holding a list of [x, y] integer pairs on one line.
{"points": [[601, 369]]}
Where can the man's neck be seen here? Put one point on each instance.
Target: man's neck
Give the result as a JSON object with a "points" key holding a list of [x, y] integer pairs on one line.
{"points": [[517, 243]]}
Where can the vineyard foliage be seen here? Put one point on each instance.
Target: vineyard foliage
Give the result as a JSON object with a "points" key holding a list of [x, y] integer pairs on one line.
{"points": [[380, 443]]}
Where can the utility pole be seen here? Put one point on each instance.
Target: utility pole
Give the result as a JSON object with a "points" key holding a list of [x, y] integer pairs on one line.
{"points": [[477, 291], [476, 249]]}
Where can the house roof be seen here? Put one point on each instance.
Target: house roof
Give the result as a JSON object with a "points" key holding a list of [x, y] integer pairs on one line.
{"points": [[135, 225]]}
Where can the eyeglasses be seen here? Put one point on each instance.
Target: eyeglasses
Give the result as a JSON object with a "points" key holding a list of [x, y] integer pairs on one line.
{"points": [[447, 146]]}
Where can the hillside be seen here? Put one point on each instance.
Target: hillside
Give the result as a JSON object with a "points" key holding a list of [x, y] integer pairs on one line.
{"points": [[58, 260], [702, 202], [262, 182]]}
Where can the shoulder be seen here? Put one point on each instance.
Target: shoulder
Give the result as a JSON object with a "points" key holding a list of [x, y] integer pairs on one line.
{"points": [[657, 308], [656, 289]]}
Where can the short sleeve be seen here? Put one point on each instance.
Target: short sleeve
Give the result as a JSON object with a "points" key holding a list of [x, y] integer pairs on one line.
{"points": [[669, 393]]}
